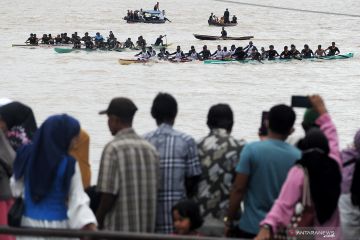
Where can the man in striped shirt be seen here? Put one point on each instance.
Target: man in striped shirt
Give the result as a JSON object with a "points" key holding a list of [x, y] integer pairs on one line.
{"points": [[128, 176], [179, 163]]}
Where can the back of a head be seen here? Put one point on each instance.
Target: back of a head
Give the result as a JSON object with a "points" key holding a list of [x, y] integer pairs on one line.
{"points": [[190, 209], [123, 108], [220, 116], [315, 139], [164, 108], [281, 119]]}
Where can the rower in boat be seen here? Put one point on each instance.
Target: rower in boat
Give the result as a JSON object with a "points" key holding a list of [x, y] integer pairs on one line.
{"points": [[129, 44], [205, 53], [141, 42], [45, 39], [178, 54], [294, 52], [234, 19], [232, 49], [307, 52], [211, 18], [99, 40], [239, 54], [223, 33], [218, 53], [32, 39], [156, 7], [76, 40], [227, 16], [192, 54], [151, 52], [264, 54], [58, 39], [255, 55], [286, 54], [320, 52], [272, 53], [159, 41], [65, 39], [248, 49], [333, 50], [163, 54], [112, 41], [226, 54], [51, 39], [88, 41], [143, 55]]}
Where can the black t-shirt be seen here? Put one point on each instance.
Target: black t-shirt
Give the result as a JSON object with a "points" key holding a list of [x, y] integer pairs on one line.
{"points": [[205, 54], [158, 41], [272, 54], [294, 52], [307, 53], [223, 33], [256, 56], [332, 51], [240, 55], [286, 55]]}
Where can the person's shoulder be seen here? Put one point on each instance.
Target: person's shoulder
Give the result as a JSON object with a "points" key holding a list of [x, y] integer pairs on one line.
{"points": [[182, 135]]}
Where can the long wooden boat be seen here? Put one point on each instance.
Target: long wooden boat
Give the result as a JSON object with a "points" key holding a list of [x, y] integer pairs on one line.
{"points": [[130, 61], [218, 24], [208, 37], [69, 50], [335, 57], [42, 45]]}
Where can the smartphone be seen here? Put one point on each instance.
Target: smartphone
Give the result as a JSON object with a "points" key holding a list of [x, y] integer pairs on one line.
{"points": [[263, 126], [300, 101]]}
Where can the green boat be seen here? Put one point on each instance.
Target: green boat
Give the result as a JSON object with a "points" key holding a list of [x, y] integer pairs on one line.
{"points": [[335, 57]]}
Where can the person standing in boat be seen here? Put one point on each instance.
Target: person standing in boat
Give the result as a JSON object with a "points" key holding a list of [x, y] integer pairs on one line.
{"points": [[192, 54], [286, 54], [333, 50], [320, 52], [307, 52], [163, 54], [178, 53], [143, 55], [159, 41], [223, 33], [88, 41], [272, 53], [218, 53], [211, 18], [205, 53], [294, 52], [227, 16], [156, 7], [248, 49]]}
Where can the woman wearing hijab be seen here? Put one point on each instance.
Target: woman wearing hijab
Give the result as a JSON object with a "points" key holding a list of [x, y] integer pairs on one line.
{"points": [[7, 156], [52, 189], [18, 122], [321, 161], [349, 201]]}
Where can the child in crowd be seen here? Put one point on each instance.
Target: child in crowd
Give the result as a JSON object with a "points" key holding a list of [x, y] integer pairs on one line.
{"points": [[186, 218]]}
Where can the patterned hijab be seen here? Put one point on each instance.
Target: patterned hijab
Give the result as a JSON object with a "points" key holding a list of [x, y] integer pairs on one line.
{"points": [[42, 158]]}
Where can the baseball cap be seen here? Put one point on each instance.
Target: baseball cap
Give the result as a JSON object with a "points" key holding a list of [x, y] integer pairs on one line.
{"points": [[121, 107]]}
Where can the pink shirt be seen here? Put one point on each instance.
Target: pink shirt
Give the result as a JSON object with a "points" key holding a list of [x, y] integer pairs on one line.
{"points": [[291, 191]]}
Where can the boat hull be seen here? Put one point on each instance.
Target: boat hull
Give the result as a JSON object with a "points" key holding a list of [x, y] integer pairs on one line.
{"points": [[217, 24], [213, 38]]}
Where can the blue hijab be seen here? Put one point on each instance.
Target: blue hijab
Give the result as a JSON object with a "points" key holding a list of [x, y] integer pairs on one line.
{"points": [[40, 160]]}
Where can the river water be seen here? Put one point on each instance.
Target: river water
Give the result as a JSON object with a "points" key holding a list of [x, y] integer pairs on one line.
{"points": [[83, 83]]}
